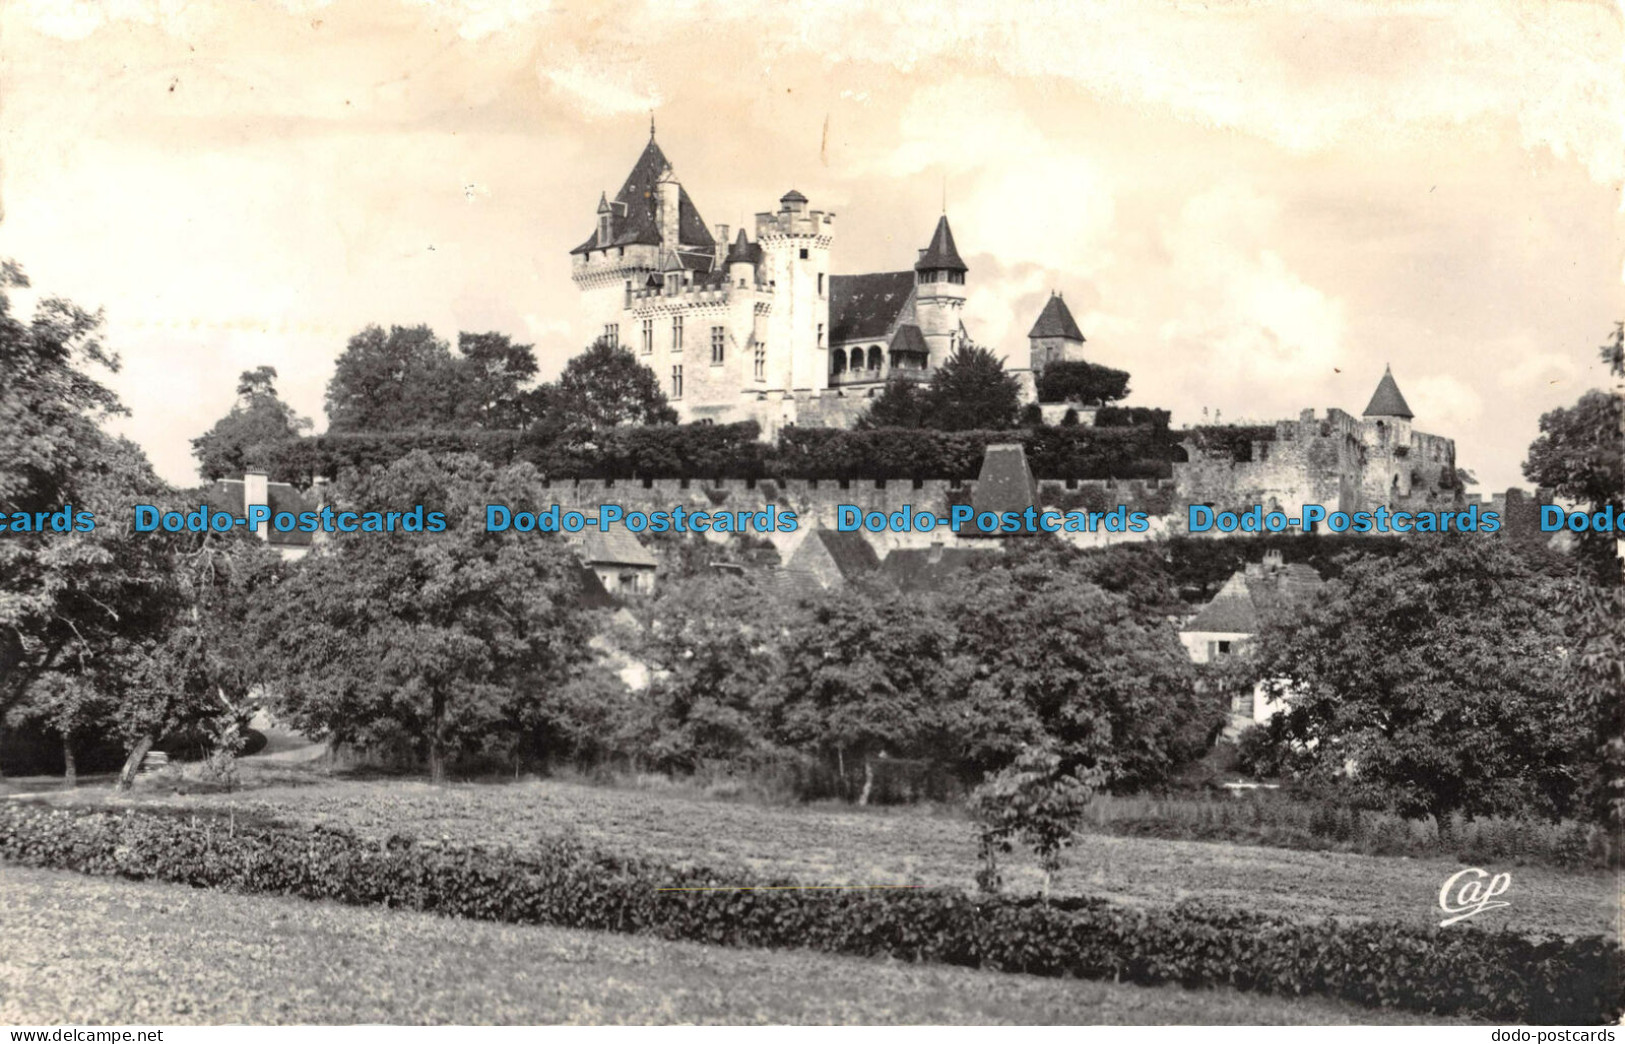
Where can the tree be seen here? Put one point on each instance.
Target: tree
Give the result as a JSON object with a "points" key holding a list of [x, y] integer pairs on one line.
{"points": [[1032, 801], [868, 673], [1083, 383], [446, 638], [494, 372], [715, 648], [1062, 664], [245, 438], [397, 381], [902, 403], [1430, 683], [72, 599], [971, 391], [603, 387], [1580, 455]]}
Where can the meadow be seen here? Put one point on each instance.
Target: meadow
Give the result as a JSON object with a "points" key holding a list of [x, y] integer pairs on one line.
{"points": [[842, 845], [98, 950]]}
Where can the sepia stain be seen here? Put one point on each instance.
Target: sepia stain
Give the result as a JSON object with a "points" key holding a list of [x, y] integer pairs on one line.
{"points": [[823, 145]]}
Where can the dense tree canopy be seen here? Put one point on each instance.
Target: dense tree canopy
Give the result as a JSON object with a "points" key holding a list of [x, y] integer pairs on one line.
{"points": [[603, 387], [408, 378], [1083, 383], [1431, 682], [969, 391], [74, 600], [248, 437], [444, 639]]}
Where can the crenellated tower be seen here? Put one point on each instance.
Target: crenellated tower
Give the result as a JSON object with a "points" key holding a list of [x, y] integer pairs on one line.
{"points": [[795, 244]]}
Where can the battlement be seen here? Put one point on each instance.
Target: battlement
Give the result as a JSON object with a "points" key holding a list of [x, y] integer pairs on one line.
{"points": [[796, 224]]}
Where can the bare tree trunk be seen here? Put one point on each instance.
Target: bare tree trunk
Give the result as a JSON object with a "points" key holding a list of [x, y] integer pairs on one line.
{"points": [[132, 764], [840, 762], [70, 768], [868, 781]]}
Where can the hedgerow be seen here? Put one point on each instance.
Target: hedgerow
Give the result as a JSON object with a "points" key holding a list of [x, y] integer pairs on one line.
{"points": [[1494, 976], [705, 451]]}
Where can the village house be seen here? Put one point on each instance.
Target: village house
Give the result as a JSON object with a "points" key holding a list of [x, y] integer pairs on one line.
{"points": [[1235, 616]]}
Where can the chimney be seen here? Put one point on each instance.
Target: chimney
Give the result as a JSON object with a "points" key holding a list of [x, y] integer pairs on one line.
{"points": [[668, 206], [256, 492], [722, 246]]}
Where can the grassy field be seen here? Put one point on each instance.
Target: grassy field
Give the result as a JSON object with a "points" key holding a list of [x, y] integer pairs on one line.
{"points": [[88, 950], [841, 845]]}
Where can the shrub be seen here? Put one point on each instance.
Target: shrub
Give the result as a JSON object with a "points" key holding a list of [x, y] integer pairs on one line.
{"points": [[1497, 976]]}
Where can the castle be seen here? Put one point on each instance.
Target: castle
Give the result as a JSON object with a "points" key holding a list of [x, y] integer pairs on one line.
{"points": [[1340, 461], [761, 329]]}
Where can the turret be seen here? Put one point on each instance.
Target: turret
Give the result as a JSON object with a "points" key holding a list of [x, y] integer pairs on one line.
{"points": [[1388, 416], [939, 292], [1055, 337], [742, 258]]}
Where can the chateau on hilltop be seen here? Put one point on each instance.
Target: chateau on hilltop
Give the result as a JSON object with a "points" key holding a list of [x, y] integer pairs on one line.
{"points": [[760, 328], [757, 327]]}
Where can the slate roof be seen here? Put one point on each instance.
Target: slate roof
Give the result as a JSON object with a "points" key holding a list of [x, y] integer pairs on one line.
{"points": [[849, 554], [1056, 321], [864, 307], [744, 250], [915, 569], [908, 338], [1005, 482], [632, 214], [616, 547], [1250, 594], [227, 495], [941, 254], [1386, 401], [792, 583]]}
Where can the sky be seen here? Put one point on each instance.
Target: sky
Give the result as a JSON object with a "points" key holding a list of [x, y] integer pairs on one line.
{"points": [[1251, 207]]}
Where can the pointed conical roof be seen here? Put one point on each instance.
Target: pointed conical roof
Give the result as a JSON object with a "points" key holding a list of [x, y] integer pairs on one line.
{"points": [[632, 214], [1056, 321], [941, 254], [743, 250], [1386, 401]]}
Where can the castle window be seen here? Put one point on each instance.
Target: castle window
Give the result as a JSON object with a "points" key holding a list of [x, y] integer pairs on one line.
{"points": [[837, 363], [676, 333], [875, 357], [718, 340], [612, 334], [956, 277], [627, 303], [603, 230], [677, 382], [820, 285], [857, 359], [648, 336], [803, 253], [761, 360], [820, 328]]}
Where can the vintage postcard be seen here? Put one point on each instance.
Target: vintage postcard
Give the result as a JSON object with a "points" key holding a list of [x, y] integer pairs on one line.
{"points": [[539, 512]]}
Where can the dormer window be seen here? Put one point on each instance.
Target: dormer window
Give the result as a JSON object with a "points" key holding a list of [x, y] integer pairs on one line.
{"points": [[603, 230]]}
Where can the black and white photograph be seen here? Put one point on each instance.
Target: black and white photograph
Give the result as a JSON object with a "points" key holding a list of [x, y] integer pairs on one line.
{"points": [[529, 513]]}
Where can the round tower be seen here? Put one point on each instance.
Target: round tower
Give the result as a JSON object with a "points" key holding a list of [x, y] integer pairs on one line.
{"points": [[795, 245], [939, 293]]}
